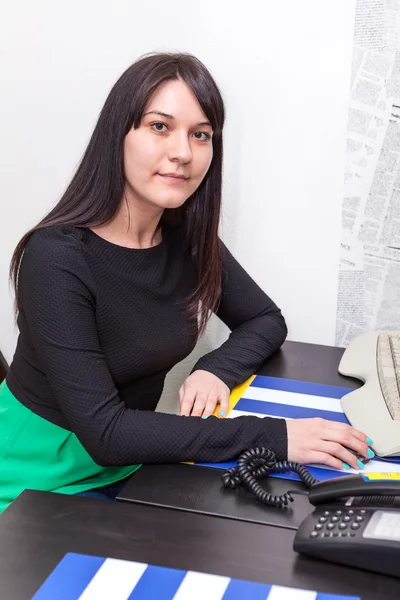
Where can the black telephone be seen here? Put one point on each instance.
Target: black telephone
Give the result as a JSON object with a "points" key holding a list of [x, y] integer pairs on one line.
{"points": [[357, 517]]}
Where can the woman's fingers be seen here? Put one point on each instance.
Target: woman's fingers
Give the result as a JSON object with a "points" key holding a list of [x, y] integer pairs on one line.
{"points": [[223, 404], [333, 442], [199, 404], [337, 451], [212, 402], [187, 399], [205, 406], [349, 438], [200, 394], [322, 458], [347, 429]]}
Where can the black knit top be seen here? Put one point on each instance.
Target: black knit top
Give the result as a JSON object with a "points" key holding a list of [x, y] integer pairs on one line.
{"points": [[100, 327]]}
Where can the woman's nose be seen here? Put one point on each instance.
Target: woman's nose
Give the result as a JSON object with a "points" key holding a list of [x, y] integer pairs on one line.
{"points": [[180, 149]]}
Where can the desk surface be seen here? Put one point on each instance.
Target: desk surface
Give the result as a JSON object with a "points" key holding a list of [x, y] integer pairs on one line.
{"points": [[39, 528], [308, 362], [199, 489]]}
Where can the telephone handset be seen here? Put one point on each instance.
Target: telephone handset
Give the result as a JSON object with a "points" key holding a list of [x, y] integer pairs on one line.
{"points": [[356, 521], [377, 489]]}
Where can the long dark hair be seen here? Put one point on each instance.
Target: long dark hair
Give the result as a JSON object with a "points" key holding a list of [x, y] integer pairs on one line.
{"points": [[96, 190]]}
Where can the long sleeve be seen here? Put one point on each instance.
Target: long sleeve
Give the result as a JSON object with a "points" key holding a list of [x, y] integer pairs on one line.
{"points": [[257, 326], [58, 302]]}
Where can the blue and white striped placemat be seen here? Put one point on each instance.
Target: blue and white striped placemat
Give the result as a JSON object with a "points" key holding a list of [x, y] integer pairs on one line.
{"points": [[83, 577], [292, 399]]}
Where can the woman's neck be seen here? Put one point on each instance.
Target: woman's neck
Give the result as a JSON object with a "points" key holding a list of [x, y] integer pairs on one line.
{"points": [[132, 228]]}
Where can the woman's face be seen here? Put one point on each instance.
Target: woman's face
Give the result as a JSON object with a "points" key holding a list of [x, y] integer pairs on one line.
{"points": [[168, 155]]}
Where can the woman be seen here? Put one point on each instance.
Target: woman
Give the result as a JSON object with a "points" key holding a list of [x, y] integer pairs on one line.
{"points": [[114, 287]]}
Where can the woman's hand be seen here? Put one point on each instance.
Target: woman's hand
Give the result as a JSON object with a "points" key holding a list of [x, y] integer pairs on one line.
{"points": [[200, 394], [326, 442]]}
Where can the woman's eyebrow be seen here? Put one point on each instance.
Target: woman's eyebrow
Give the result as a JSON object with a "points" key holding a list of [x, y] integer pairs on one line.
{"points": [[166, 116]]}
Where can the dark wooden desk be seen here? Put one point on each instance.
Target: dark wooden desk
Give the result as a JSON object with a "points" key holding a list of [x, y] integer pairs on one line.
{"points": [[308, 362], [39, 528], [199, 489]]}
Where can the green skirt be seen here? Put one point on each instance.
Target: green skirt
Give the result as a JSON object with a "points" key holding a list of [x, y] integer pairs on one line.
{"points": [[39, 455]]}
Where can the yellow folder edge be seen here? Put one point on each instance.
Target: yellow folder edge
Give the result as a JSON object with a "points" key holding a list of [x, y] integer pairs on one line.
{"points": [[235, 395], [234, 398]]}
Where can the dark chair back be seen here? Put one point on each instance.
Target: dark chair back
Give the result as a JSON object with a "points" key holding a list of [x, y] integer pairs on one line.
{"points": [[3, 367]]}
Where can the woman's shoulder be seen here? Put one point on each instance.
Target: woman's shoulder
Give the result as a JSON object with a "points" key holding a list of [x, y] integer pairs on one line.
{"points": [[54, 254], [56, 233], [59, 239], [54, 247]]}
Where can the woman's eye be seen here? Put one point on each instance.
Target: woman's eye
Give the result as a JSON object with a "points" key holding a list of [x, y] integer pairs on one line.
{"points": [[159, 127], [206, 135]]}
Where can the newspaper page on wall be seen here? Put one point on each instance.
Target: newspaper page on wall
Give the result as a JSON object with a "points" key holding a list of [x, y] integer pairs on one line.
{"points": [[369, 272]]}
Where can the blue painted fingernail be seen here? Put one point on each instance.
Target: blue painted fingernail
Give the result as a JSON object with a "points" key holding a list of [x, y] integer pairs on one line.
{"points": [[369, 441], [360, 464], [345, 465], [222, 413], [370, 452], [205, 417]]}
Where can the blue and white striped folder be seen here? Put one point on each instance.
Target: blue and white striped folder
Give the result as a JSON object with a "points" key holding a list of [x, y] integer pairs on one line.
{"points": [[292, 399], [83, 577]]}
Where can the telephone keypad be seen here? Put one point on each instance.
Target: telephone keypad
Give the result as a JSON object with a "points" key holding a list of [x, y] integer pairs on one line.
{"points": [[372, 543], [347, 521]]}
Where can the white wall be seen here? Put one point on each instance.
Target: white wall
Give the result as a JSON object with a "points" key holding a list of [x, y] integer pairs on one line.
{"points": [[284, 70]]}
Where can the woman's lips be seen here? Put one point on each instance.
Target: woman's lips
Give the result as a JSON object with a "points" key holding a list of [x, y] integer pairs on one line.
{"points": [[173, 178]]}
